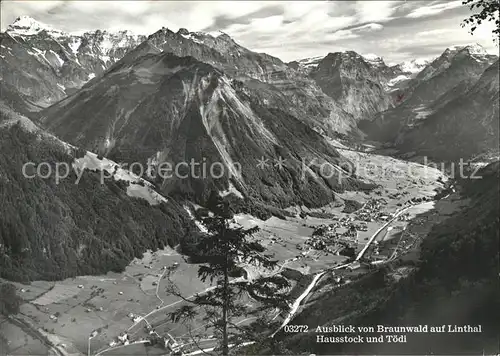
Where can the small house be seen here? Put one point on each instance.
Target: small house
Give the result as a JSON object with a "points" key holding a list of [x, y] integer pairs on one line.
{"points": [[354, 266], [123, 337]]}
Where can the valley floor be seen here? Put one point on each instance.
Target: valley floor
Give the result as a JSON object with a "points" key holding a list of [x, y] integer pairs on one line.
{"points": [[86, 314]]}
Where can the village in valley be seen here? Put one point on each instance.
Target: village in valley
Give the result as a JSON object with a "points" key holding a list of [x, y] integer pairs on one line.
{"points": [[126, 313]]}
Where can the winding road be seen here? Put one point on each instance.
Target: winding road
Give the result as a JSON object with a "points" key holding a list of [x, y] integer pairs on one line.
{"points": [[374, 236], [298, 301], [296, 304]]}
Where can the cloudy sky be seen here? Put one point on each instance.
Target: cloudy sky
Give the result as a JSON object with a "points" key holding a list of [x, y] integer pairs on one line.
{"points": [[395, 30]]}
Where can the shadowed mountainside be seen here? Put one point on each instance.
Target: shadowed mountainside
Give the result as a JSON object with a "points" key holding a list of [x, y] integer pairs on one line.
{"points": [[164, 108], [51, 230], [455, 283]]}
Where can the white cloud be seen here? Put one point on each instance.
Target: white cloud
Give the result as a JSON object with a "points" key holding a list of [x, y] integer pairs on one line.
{"points": [[395, 30], [375, 11], [432, 10], [341, 35], [267, 24], [436, 32], [369, 27]]}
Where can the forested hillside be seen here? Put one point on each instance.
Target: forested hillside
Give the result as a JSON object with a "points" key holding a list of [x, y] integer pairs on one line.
{"points": [[53, 231]]}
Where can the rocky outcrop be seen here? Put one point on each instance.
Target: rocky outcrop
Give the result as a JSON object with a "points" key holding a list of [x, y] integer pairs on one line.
{"points": [[444, 80], [45, 64], [354, 83], [164, 108], [462, 127]]}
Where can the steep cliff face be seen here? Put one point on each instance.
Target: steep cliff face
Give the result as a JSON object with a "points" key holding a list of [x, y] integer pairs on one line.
{"points": [[462, 127], [300, 95], [164, 108], [354, 83], [46, 64], [444, 80]]}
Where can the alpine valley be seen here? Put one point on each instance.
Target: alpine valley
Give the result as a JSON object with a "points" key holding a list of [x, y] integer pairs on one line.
{"points": [[348, 166]]}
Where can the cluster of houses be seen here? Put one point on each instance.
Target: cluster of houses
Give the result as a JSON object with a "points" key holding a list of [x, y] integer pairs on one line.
{"points": [[416, 200], [336, 237], [166, 342], [371, 211], [134, 318], [275, 239], [342, 234], [123, 338], [404, 217]]}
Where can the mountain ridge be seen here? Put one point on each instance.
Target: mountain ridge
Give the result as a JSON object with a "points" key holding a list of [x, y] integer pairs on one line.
{"points": [[189, 102], [46, 64]]}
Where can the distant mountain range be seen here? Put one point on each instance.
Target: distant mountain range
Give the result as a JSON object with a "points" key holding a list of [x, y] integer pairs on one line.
{"points": [[46, 64], [183, 96], [393, 74], [461, 126], [330, 94], [423, 123], [172, 98]]}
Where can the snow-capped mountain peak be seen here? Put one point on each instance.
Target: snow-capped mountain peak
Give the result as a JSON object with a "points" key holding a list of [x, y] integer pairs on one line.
{"points": [[473, 48], [372, 57], [374, 60], [414, 66], [311, 62], [28, 26], [201, 37], [57, 61], [217, 34]]}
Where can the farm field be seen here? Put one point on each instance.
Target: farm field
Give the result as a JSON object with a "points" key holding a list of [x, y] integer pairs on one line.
{"points": [[73, 308], [17, 341], [69, 311]]}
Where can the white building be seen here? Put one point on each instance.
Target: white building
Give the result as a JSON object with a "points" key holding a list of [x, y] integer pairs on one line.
{"points": [[123, 337]]}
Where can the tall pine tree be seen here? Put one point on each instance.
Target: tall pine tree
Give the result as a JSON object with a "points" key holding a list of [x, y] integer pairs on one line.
{"points": [[222, 250]]}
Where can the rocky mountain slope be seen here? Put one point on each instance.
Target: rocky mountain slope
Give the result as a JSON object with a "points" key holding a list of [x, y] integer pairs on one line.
{"points": [[80, 224], [362, 85], [10, 97], [446, 78], [462, 127], [355, 84], [284, 87], [45, 64], [164, 108]]}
